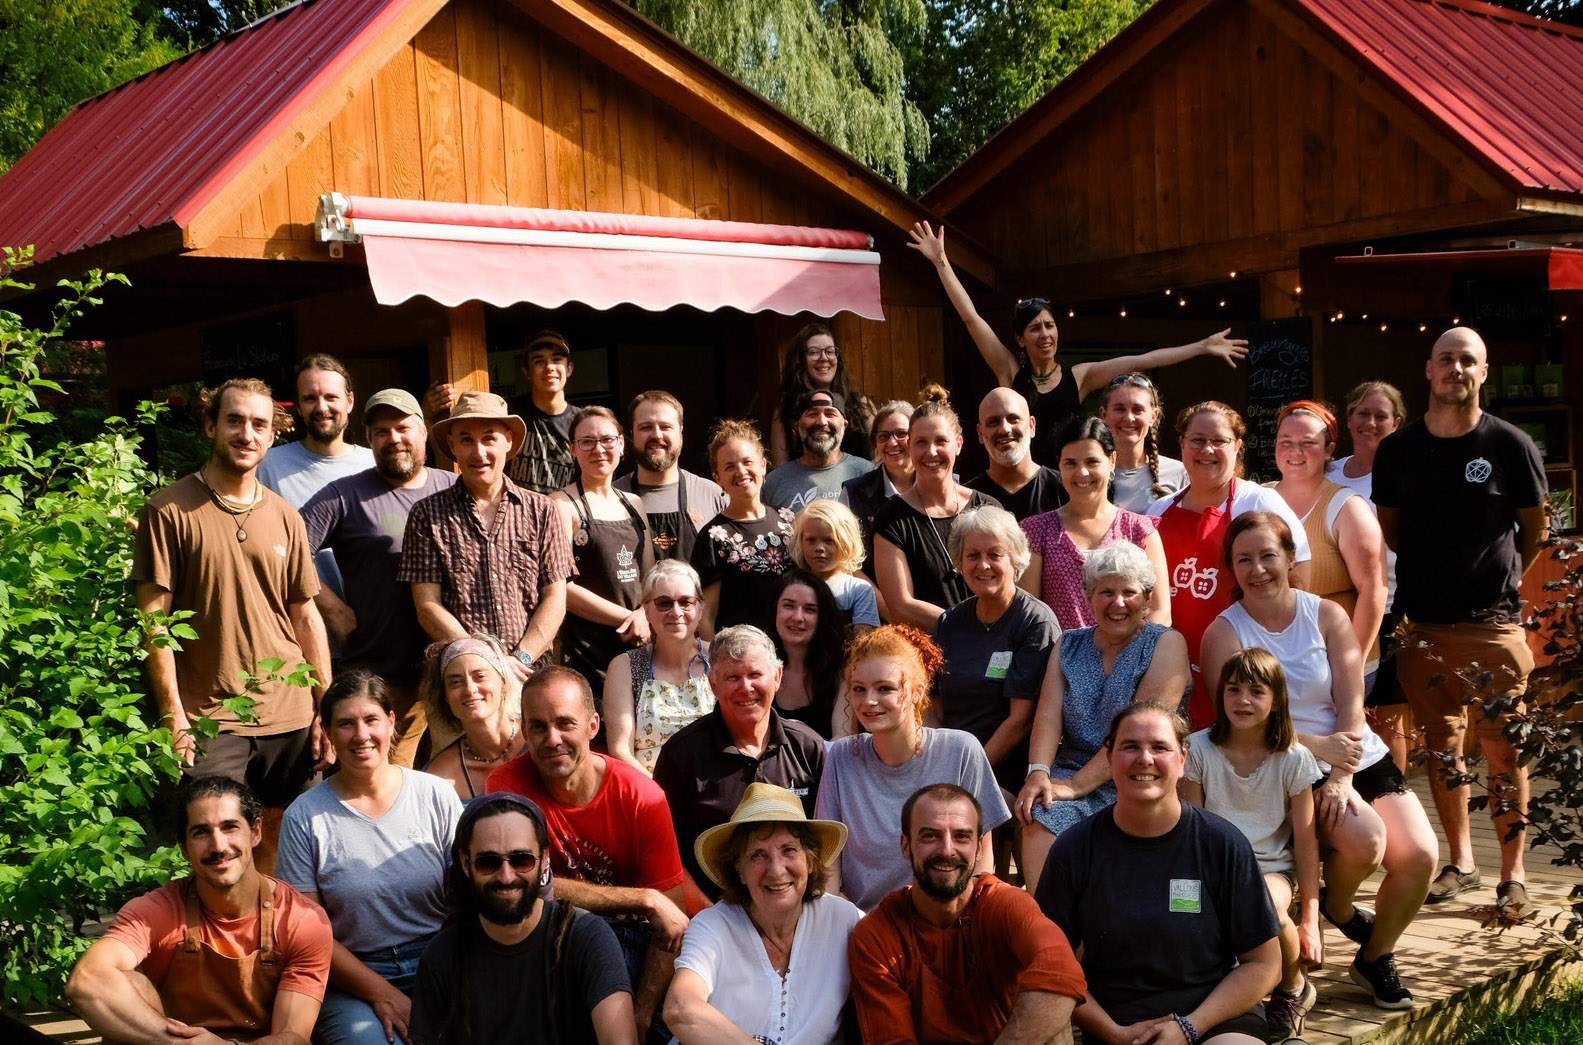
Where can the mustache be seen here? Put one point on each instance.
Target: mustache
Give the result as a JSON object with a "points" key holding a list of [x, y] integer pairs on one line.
{"points": [[230, 854]]}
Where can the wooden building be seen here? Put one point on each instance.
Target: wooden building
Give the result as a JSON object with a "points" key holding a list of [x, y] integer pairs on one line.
{"points": [[201, 181]]}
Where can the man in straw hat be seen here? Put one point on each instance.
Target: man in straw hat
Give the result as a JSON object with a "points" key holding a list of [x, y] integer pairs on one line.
{"points": [[487, 555], [961, 957], [769, 960]]}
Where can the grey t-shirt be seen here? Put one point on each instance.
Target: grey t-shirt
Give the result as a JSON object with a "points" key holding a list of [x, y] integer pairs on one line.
{"points": [[380, 880], [1134, 487], [860, 790], [297, 473], [794, 484], [1259, 804]]}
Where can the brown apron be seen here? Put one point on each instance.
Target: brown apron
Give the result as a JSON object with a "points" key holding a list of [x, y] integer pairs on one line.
{"points": [[230, 997]]}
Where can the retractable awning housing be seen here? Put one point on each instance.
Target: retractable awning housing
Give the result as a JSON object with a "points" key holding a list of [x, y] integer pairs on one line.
{"points": [[456, 252]]}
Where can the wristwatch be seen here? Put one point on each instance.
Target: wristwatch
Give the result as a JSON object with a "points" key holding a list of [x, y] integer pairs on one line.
{"points": [[1036, 767], [522, 655]]}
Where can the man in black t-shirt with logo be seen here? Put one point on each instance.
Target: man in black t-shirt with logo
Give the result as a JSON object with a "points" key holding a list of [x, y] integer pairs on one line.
{"points": [[1461, 500], [544, 462]]}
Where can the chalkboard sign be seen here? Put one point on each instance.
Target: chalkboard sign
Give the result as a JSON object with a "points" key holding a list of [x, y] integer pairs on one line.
{"points": [[1280, 368], [263, 347]]}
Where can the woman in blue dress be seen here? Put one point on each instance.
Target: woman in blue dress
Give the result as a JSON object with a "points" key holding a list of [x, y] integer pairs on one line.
{"points": [[1094, 672]]}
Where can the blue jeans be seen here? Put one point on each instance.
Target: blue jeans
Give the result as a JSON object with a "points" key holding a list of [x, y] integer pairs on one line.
{"points": [[345, 1019]]}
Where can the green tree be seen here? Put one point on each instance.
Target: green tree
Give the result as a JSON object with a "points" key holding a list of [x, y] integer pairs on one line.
{"points": [[56, 53], [832, 66], [980, 63], [199, 22], [1569, 11]]}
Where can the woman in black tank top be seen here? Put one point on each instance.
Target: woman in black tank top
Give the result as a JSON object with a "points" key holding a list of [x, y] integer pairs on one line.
{"points": [[610, 546], [1053, 394]]}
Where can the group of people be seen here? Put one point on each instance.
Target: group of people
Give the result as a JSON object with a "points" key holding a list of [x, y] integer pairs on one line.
{"points": [[765, 755]]}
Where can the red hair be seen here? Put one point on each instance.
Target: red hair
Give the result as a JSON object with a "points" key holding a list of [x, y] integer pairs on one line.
{"points": [[920, 658]]}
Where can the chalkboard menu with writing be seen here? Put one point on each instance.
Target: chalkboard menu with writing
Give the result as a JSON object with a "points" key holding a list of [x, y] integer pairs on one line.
{"points": [[263, 347], [1280, 369]]}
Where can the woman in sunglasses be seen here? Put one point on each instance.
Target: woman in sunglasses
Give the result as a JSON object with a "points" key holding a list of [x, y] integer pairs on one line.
{"points": [[653, 691], [1052, 393], [813, 364], [610, 546]]}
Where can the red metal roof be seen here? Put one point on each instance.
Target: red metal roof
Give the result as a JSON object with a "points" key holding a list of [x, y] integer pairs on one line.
{"points": [[1508, 84], [153, 151]]}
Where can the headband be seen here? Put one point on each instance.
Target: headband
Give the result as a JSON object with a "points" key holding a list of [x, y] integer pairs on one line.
{"points": [[520, 804], [477, 647]]}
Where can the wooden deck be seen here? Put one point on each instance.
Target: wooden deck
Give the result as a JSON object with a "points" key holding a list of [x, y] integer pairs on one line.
{"points": [[1448, 959]]}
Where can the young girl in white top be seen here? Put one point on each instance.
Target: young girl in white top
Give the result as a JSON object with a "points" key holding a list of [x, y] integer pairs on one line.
{"points": [[1249, 768], [827, 541]]}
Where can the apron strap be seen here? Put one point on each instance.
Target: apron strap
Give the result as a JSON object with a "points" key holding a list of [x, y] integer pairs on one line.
{"points": [[266, 920], [193, 942]]}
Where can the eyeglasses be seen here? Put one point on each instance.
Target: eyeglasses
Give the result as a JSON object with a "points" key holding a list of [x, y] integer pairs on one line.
{"points": [[1131, 379], [521, 860], [1198, 442], [822, 353], [588, 442], [898, 435], [664, 603]]}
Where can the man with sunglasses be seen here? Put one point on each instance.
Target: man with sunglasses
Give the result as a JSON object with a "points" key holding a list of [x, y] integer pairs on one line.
{"points": [[1022, 485], [514, 964], [610, 837], [823, 466]]}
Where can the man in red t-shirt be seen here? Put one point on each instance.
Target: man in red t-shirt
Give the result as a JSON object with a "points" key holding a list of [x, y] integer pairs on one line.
{"points": [[612, 846], [227, 954], [959, 957]]}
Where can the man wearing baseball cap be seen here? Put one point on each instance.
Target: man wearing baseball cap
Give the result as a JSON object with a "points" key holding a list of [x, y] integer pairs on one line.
{"points": [[487, 555], [823, 467], [543, 462], [361, 518]]}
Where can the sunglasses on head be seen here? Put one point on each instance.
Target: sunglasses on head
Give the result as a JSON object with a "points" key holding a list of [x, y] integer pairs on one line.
{"points": [[1132, 379], [1023, 303], [664, 603], [521, 861]]}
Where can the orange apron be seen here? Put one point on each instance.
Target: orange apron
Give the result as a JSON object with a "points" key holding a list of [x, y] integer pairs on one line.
{"points": [[230, 997], [1201, 583]]}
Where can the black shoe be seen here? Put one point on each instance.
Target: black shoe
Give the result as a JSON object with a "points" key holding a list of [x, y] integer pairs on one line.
{"points": [[1381, 980], [1450, 883], [1358, 928]]}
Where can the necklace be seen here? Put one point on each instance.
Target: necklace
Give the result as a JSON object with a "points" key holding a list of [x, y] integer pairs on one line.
{"points": [[781, 965], [240, 524], [504, 750], [1041, 376]]}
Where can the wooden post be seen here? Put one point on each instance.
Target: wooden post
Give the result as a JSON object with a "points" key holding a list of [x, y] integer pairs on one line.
{"points": [[460, 359]]}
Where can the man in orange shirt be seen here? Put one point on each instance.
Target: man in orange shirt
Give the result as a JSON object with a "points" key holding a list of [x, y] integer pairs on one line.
{"points": [[959, 957], [226, 955]]}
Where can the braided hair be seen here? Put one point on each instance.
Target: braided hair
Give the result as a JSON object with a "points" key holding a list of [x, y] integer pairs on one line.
{"points": [[1151, 438]]}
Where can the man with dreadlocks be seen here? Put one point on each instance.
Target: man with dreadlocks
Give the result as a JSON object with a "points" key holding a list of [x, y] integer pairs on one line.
{"points": [[512, 963]]}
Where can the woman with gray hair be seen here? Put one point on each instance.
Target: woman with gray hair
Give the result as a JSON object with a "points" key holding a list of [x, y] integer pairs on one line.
{"points": [[1093, 673], [653, 691], [469, 688], [996, 644]]}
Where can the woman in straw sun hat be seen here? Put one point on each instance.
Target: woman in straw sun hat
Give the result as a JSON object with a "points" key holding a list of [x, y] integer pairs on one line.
{"points": [[775, 936]]}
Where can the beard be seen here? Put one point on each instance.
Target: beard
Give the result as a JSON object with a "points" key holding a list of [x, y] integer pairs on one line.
{"points": [[325, 427], [1011, 457], [949, 889], [657, 457], [495, 905], [398, 464], [821, 439]]}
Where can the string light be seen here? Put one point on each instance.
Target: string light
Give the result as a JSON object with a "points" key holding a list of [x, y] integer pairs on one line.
{"points": [[1167, 291], [1364, 316], [1070, 313], [1123, 313], [1182, 302], [1423, 327], [1233, 273], [1297, 290], [1223, 304], [1563, 317], [1383, 328], [1456, 321]]}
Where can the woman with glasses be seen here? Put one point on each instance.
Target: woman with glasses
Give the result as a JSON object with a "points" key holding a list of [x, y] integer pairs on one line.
{"points": [[813, 364], [1193, 526], [610, 547], [868, 491], [653, 691], [1053, 395], [1132, 409]]}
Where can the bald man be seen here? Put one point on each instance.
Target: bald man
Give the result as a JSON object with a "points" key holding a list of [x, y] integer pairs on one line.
{"points": [[1015, 479], [1461, 500]]}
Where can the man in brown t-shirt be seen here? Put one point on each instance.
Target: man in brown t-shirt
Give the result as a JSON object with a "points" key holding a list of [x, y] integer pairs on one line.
{"points": [[222, 545], [959, 957]]}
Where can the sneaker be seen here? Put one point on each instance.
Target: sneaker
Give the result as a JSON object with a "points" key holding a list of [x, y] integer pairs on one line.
{"points": [[1512, 903], [1286, 1013], [1450, 883], [1381, 980], [1357, 928]]}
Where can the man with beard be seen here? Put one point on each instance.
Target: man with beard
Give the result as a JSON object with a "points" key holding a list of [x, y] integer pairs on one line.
{"points": [[229, 550], [514, 964], [361, 519], [1457, 590], [610, 838], [224, 955], [959, 957], [675, 501], [544, 462], [299, 470], [823, 466], [1021, 485]]}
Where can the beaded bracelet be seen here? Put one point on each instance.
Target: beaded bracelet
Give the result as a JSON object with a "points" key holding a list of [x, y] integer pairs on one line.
{"points": [[1188, 1030]]}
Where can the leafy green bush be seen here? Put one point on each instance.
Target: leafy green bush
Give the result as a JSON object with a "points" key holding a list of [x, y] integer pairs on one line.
{"points": [[80, 761]]}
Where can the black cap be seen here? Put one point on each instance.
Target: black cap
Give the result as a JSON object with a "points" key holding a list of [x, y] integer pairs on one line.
{"points": [[821, 397]]}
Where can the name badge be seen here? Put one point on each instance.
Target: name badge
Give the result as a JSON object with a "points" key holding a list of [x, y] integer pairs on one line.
{"points": [[1187, 896], [999, 665]]}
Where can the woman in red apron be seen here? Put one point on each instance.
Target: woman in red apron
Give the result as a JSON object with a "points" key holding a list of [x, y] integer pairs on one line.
{"points": [[1193, 526]]}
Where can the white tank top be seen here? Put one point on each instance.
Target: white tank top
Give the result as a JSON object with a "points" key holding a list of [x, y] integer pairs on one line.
{"points": [[1300, 648]]}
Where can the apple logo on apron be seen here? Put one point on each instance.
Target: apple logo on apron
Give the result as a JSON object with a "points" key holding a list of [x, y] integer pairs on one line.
{"points": [[1200, 584]]}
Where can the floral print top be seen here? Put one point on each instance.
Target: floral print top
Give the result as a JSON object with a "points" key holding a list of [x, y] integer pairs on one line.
{"points": [[745, 559]]}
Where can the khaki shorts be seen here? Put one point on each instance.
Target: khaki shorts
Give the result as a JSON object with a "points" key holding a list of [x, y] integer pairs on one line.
{"points": [[1439, 667]]}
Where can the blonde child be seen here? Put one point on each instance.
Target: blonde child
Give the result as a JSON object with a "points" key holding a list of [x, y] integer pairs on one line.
{"points": [[828, 542], [1249, 769]]}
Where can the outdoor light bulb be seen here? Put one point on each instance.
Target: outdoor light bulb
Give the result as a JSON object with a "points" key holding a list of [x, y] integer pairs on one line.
{"points": [[1364, 316], [1563, 317], [1222, 302], [1382, 328], [1456, 321], [1233, 273], [1123, 313], [1167, 291], [1071, 312], [1297, 290], [1423, 327], [1182, 302]]}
